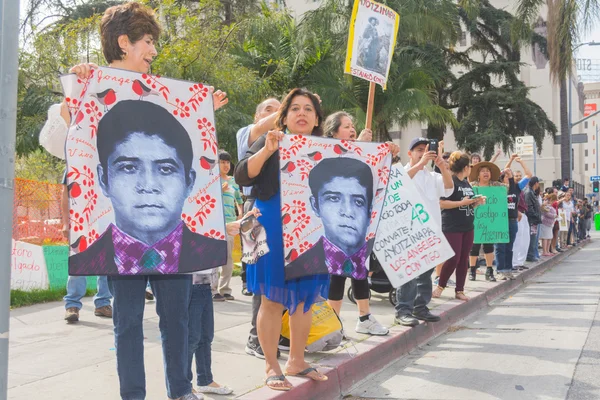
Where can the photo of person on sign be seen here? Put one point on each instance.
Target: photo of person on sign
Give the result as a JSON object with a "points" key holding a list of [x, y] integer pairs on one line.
{"points": [[342, 198], [146, 172]]}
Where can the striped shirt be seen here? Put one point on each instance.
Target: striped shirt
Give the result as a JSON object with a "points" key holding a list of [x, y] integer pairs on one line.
{"points": [[231, 197]]}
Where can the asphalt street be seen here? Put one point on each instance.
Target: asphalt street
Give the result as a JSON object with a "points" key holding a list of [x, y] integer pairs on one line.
{"points": [[540, 342]]}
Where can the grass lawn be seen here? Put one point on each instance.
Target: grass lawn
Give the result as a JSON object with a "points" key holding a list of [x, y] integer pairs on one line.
{"points": [[21, 298]]}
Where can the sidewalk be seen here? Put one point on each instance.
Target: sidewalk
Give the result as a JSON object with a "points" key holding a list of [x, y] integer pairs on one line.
{"points": [[55, 360]]}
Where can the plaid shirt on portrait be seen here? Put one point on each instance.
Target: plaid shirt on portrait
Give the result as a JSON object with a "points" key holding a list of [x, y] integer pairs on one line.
{"points": [[338, 263], [133, 257]]}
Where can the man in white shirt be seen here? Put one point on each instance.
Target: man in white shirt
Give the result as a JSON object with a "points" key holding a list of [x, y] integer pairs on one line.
{"points": [[414, 296], [264, 121]]}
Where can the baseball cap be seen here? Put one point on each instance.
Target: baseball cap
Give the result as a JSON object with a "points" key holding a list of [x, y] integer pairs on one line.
{"points": [[417, 141]]}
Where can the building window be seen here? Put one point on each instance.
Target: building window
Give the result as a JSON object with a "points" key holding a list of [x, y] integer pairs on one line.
{"points": [[586, 167], [585, 124], [586, 152], [463, 38]]}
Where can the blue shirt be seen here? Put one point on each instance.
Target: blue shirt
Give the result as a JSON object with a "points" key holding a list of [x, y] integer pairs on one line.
{"points": [[242, 137]]}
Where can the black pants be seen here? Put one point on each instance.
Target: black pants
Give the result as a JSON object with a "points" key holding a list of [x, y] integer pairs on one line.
{"points": [[337, 284]]}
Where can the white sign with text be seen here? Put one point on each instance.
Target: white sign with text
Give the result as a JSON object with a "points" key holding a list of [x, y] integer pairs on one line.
{"points": [[28, 267], [408, 241]]}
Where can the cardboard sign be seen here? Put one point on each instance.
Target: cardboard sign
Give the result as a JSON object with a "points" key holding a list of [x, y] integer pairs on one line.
{"points": [[142, 173], [28, 267], [491, 218], [57, 265], [408, 241], [563, 224], [331, 197], [371, 41]]}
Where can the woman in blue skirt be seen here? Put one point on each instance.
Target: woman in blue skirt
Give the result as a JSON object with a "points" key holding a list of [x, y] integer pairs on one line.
{"points": [[300, 114]]}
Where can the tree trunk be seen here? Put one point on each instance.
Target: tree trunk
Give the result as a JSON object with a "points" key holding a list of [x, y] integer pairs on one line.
{"points": [[435, 132], [565, 148]]}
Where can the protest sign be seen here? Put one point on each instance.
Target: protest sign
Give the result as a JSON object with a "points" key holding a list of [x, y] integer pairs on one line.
{"points": [[57, 265], [408, 242], [144, 197], [563, 225], [331, 196], [28, 267], [371, 41], [491, 218]]}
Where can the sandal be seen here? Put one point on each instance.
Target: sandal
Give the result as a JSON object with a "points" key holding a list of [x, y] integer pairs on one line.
{"points": [[272, 381], [304, 374], [461, 296], [437, 293]]}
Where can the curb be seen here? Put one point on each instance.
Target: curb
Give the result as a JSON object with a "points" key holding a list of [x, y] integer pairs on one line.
{"points": [[374, 353]]}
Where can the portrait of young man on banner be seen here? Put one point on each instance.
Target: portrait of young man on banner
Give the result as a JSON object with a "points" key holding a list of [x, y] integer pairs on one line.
{"points": [[143, 197], [371, 41], [332, 192]]}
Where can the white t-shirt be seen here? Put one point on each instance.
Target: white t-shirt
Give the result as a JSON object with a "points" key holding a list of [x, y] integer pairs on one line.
{"points": [[568, 207], [242, 137], [431, 188]]}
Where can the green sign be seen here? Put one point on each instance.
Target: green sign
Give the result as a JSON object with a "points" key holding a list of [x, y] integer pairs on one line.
{"points": [[491, 219], [58, 267]]}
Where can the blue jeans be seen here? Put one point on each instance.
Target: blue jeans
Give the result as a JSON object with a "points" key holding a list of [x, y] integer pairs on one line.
{"points": [[414, 296], [537, 241], [173, 295], [202, 332], [533, 244], [76, 287], [504, 251]]}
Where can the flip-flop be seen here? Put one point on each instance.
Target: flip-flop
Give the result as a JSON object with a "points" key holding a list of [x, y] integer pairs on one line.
{"points": [[307, 371], [277, 378]]}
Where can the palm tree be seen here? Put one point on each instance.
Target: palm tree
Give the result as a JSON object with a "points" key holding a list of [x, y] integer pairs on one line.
{"points": [[567, 20]]}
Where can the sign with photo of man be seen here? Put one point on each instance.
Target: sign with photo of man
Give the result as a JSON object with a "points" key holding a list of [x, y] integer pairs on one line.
{"points": [[143, 196], [371, 41], [331, 197]]}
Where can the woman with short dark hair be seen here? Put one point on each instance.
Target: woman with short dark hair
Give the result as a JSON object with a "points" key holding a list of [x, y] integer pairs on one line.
{"points": [[128, 33]]}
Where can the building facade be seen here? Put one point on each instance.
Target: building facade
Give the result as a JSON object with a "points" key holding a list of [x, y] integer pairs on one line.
{"points": [[535, 73]]}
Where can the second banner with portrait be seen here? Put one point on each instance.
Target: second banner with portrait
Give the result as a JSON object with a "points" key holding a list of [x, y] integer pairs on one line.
{"points": [[332, 192]]}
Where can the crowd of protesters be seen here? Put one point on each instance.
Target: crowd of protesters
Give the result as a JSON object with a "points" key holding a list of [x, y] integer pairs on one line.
{"points": [[185, 302]]}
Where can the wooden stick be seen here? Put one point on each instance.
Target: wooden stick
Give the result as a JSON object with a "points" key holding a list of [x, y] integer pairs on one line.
{"points": [[370, 103]]}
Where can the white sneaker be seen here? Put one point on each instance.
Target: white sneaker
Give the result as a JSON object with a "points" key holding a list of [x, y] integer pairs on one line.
{"points": [[222, 390], [371, 327]]}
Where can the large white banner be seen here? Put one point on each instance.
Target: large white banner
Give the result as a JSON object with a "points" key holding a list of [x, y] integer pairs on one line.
{"points": [[331, 196], [408, 241]]}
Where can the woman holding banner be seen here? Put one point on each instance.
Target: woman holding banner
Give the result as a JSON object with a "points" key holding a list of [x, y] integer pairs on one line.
{"points": [[484, 174], [340, 125], [300, 113], [458, 215], [128, 34], [505, 251]]}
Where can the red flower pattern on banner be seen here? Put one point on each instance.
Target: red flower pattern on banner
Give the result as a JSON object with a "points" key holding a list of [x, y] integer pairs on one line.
{"points": [[301, 222], [153, 83], [288, 240], [206, 204], [199, 93], [383, 174], [284, 154], [95, 114], [215, 234], [304, 167], [373, 215], [75, 221], [298, 141], [296, 207], [207, 131], [346, 146]]}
